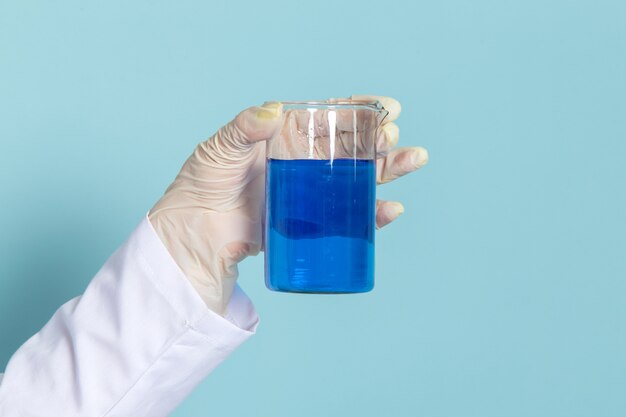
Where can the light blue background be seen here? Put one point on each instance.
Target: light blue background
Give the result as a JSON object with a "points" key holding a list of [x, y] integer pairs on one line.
{"points": [[500, 292]]}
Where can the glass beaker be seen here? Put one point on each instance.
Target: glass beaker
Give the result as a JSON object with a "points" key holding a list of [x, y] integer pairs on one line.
{"points": [[321, 197]]}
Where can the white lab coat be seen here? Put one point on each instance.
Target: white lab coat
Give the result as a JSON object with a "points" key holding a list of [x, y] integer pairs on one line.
{"points": [[134, 344]]}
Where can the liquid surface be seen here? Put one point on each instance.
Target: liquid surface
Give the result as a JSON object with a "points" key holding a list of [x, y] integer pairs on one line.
{"points": [[320, 225]]}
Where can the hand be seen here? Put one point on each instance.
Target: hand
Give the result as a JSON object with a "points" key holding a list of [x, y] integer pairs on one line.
{"points": [[210, 217]]}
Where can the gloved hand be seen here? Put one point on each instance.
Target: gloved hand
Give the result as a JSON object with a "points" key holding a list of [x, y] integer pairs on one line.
{"points": [[210, 217]]}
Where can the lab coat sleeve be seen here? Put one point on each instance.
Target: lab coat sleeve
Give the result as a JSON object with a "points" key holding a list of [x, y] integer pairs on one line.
{"points": [[134, 344]]}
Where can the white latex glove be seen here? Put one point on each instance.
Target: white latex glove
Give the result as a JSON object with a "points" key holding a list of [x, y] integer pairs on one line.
{"points": [[210, 217]]}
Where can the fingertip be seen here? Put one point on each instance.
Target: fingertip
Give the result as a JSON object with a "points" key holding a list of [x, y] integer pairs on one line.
{"points": [[269, 110], [419, 157], [394, 209], [392, 134], [388, 212], [258, 123], [393, 106]]}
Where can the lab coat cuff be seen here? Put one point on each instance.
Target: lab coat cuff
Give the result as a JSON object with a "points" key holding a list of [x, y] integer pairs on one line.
{"points": [[240, 320]]}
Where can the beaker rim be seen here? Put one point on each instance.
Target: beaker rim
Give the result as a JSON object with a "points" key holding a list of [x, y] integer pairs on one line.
{"points": [[337, 103]]}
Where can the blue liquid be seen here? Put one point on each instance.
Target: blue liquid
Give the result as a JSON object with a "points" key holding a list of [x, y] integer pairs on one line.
{"points": [[319, 228]]}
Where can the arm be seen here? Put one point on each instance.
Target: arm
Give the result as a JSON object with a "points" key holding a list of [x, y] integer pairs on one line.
{"points": [[134, 344], [165, 310]]}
